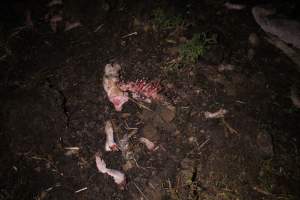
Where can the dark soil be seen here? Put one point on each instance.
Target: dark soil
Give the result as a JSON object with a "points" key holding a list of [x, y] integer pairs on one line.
{"points": [[52, 98]]}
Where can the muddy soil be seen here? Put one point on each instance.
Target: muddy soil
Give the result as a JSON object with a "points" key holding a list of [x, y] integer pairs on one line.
{"points": [[54, 107]]}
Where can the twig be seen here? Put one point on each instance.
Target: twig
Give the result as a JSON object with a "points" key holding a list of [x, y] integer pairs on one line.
{"points": [[257, 189], [3, 57], [98, 28], [140, 105], [80, 190], [72, 148], [241, 102], [130, 34], [128, 128], [204, 143], [215, 115], [228, 127], [234, 6], [138, 166], [140, 191]]}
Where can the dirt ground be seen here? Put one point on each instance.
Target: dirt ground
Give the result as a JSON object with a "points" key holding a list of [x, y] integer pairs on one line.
{"points": [[52, 98]]}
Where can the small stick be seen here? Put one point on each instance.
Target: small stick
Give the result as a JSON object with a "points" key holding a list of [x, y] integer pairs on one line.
{"points": [[80, 190], [140, 105], [262, 191], [215, 115], [98, 28], [128, 128], [241, 102], [140, 191], [130, 34], [72, 148], [230, 129], [49, 189], [204, 143]]}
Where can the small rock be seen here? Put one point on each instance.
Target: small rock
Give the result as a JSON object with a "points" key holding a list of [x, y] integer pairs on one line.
{"points": [[173, 51], [136, 22], [191, 73], [253, 40], [147, 27], [37, 169], [150, 132], [170, 85], [127, 166], [192, 139], [167, 113], [251, 53], [187, 163], [125, 115], [177, 132], [225, 67], [182, 40], [187, 171], [123, 43], [264, 143], [105, 7]]}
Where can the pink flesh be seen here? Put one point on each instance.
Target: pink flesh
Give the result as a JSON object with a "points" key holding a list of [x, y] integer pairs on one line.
{"points": [[118, 102], [114, 147]]}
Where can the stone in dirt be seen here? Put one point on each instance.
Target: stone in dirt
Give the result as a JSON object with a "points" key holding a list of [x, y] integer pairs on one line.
{"points": [[187, 171], [160, 117], [150, 132], [167, 112], [265, 144]]}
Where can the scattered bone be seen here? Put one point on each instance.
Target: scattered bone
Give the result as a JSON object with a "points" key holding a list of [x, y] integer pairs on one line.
{"points": [[118, 176], [233, 6], [225, 67], [81, 190], [110, 144], [110, 84], [72, 148], [215, 115], [130, 34], [71, 25], [54, 3], [150, 145], [71, 151]]}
